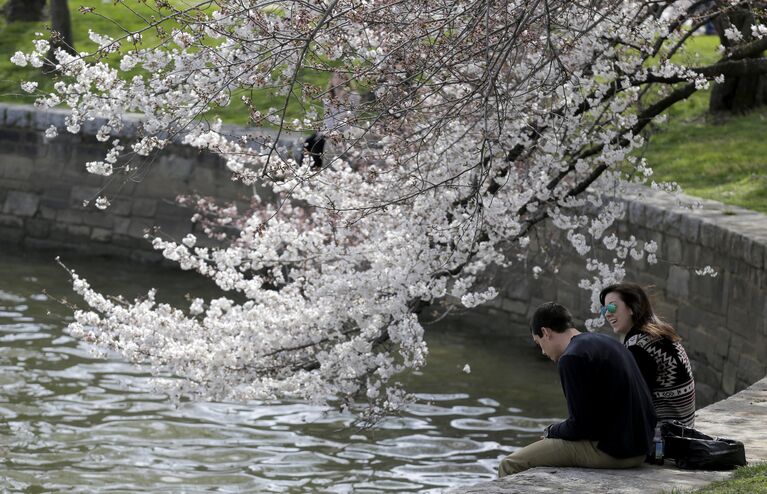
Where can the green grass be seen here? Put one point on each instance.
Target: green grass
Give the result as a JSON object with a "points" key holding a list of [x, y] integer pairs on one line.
{"points": [[746, 480], [720, 158]]}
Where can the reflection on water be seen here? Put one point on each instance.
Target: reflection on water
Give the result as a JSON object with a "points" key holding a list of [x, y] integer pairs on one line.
{"points": [[78, 424]]}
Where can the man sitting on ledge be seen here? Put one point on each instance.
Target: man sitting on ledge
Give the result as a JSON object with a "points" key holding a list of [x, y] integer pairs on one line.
{"points": [[611, 416]]}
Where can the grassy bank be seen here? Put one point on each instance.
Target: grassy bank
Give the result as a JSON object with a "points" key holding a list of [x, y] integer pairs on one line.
{"points": [[717, 158], [747, 480]]}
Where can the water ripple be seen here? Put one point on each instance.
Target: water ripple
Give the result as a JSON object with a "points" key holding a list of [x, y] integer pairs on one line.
{"points": [[73, 423]]}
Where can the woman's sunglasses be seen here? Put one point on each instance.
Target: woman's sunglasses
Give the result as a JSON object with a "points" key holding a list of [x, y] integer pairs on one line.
{"points": [[611, 308]]}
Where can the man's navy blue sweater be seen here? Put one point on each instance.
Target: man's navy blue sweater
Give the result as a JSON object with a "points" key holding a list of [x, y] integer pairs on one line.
{"points": [[607, 397]]}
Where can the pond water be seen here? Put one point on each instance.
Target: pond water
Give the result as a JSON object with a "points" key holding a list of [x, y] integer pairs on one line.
{"points": [[74, 423]]}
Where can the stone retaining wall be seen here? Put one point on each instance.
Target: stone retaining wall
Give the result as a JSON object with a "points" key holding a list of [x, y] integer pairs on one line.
{"points": [[722, 320], [43, 184]]}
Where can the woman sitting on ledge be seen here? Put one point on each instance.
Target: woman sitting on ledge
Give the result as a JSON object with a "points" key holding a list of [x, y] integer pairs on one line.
{"points": [[656, 348]]}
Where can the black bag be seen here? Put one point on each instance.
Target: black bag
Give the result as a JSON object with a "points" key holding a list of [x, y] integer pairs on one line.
{"points": [[693, 450]]}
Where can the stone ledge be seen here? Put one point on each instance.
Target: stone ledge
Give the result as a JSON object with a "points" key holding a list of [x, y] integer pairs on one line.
{"points": [[28, 117], [742, 416]]}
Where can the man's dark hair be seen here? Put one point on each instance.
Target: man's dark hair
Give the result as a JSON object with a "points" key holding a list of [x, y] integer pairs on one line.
{"points": [[551, 315]]}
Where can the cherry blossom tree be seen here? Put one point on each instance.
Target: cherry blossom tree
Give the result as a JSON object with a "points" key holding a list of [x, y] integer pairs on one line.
{"points": [[485, 120]]}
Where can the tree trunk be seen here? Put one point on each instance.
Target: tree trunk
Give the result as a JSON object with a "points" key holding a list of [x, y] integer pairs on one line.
{"points": [[737, 94], [24, 10], [61, 26]]}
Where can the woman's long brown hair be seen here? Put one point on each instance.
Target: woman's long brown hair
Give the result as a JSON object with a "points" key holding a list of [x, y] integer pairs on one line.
{"points": [[642, 314]]}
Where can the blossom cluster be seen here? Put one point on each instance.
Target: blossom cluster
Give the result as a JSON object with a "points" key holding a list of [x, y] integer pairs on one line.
{"points": [[472, 134]]}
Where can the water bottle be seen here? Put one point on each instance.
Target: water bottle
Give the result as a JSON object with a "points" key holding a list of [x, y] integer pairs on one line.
{"points": [[657, 453]]}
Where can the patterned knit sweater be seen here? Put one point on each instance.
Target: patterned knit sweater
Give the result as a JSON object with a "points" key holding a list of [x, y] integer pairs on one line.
{"points": [[667, 371]]}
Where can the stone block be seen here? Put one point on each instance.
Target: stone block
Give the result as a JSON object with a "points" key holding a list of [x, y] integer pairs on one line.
{"points": [[516, 307], [518, 290], [56, 154], [81, 194], [120, 207], [678, 283], [657, 271], [54, 204], [33, 151], [55, 192], [78, 232], [10, 138], [665, 310], [21, 203], [47, 213], [128, 241], [203, 181], [129, 129], [728, 378], [139, 227], [654, 217], [91, 127], [543, 288], [18, 117], [42, 119], [173, 211], [111, 250], [38, 228], [46, 244], [712, 236], [640, 273], [16, 167], [160, 189], [751, 368], [11, 221], [741, 384], [743, 323], [146, 256], [101, 235], [10, 235], [144, 207], [672, 223], [636, 212], [744, 301], [703, 345], [494, 303], [710, 293], [10, 184], [690, 228], [570, 298], [721, 338], [100, 219], [704, 394], [755, 253], [741, 269], [77, 175], [175, 168], [683, 330], [673, 249], [175, 230], [70, 216], [738, 246], [121, 225], [84, 152], [697, 256]]}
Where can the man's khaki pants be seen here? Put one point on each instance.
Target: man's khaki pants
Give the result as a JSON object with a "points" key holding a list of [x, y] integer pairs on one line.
{"points": [[561, 453]]}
